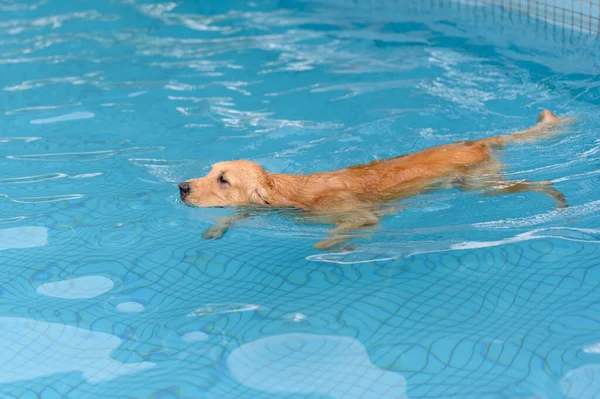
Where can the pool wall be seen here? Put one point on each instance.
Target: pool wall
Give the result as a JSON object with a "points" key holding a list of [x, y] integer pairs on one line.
{"points": [[579, 15]]}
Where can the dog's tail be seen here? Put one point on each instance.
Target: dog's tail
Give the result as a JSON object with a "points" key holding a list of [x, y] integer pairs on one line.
{"points": [[547, 124]]}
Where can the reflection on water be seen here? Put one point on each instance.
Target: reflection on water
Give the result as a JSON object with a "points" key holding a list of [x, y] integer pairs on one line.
{"points": [[23, 237], [582, 382], [313, 364], [32, 349], [77, 288]]}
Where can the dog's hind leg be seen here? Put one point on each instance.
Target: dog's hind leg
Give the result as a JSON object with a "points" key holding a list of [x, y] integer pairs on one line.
{"points": [[489, 179], [522, 186]]}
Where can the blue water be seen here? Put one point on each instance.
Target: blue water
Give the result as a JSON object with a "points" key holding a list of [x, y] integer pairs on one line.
{"points": [[107, 289]]}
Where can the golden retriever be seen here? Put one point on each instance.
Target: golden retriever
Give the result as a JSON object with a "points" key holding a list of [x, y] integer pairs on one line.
{"points": [[351, 198]]}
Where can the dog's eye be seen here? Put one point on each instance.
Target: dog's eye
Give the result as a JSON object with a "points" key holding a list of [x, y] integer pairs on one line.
{"points": [[222, 180]]}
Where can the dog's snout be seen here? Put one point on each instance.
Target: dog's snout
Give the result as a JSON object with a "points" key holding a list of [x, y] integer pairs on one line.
{"points": [[184, 188]]}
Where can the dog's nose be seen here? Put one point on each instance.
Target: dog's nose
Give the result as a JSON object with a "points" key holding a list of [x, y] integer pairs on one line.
{"points": [[184, 188]]}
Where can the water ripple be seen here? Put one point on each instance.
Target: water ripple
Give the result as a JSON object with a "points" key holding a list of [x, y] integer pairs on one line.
{"points": [[223, 308], [63, 118], [356, 89], [83, 156], [75, 80], [32, 179], [108, 105], [17, 26], [13, 219], [21, 6], [386, 251], [261, 122], [18, 111], [163, 169], [44, 199], [554, 215], [19, 139]]}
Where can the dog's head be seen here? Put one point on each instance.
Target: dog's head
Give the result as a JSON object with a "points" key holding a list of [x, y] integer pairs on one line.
{"points": [[234, 183]]}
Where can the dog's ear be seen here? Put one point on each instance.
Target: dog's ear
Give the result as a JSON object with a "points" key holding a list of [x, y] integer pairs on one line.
{"points": [[262, 191], [260, 196]]}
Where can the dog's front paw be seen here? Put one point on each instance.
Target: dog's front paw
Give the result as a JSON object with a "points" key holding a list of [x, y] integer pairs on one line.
{"points": [[214, 232], [324, 245], [335, 243]]}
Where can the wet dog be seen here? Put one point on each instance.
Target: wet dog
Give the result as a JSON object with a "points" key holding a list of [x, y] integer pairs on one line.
{"points": [[351, 199]]}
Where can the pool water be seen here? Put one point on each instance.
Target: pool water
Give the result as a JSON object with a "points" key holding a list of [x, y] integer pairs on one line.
{"points": [[108, 290]]}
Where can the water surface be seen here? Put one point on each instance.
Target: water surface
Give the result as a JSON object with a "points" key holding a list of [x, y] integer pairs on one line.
{"points": [[109, 291]]}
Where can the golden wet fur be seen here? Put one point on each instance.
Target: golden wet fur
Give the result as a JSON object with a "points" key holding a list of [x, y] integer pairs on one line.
{"points": [[350, 198]]}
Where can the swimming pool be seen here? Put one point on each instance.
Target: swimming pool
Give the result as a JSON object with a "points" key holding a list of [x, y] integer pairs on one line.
{"points": [[108, 290]]}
